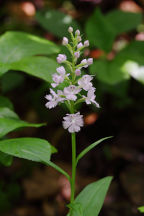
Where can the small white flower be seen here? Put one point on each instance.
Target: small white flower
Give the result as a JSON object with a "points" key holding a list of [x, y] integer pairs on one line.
{"points": [[77, 32], [61, 58], [90, 61], [84, 61], [77, 72], [77, 54], [54, 99], [73, 122], [65, 41], [85, 82], [70, 29], [79, 45], [91, 98], [86, 43], [71, 91]]}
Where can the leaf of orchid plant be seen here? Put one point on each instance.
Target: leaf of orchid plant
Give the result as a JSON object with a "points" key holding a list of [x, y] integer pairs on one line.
{"points": [[56, 22], [10, 121], [91, 198], [90, 147], [38, 66], [34, 149], [17, 45], [5, 159], [5, 102]]}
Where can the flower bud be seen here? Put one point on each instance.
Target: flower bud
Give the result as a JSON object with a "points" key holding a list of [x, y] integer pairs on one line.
{"points": [[77, 54], [79, 38], [61, 58], [79, 45], [77, 32], [86, 43], [77, 72], [84, 61], [70, 29], [65, 41], [90, 61]]}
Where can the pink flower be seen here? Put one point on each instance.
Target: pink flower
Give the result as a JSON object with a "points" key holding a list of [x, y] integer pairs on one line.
{"points": [[61, 58], [84, 62], [77, 72], [85, 82], [71, 91], [70, 29], [61, 70], [54, 98], [73, 122], [77, 32], [77, 54], [86, 43], [79, 45], [90, 61], [79, 38], [91, 98], [65, 41]]}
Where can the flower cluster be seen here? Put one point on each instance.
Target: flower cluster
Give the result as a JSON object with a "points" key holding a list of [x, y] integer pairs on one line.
{"points": [[78, 88]]}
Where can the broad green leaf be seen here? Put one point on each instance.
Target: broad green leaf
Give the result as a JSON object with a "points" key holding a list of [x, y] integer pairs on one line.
{"points": [[10, 124], [17, 45], [123, 21], [34, 149], [5, 159], [5, 102], [109, 72], [92, 197], [141, 209], [5, 112], [99, 31], [90, 147], [41, 67], [56, 22]]}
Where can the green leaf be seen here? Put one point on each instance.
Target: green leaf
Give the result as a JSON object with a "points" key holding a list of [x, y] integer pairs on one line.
{"points": [[16, 45], [92, 197], [90, 147], [109, 72], [123, 21], [99, 31], [34, 149], [5, 102], [9, 124], [41, 67], [5, 159], [5, 112], [56, 22], [141, 209]]}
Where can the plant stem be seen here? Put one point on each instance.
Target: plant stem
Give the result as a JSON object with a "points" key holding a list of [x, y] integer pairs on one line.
{"points": [[73, 137]]}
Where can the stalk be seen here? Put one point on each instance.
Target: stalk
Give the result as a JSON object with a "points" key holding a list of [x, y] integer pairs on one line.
{"points": [[73, 139]]}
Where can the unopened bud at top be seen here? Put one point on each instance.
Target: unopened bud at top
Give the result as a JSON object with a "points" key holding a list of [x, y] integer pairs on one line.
{"points": [[90, 61], [61, 58], [65, 41], [70, 29], [80, 45], [86, 43], [77, 32]]}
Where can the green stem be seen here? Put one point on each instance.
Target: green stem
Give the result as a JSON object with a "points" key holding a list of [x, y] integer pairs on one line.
{"points": [[73, 137]]}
